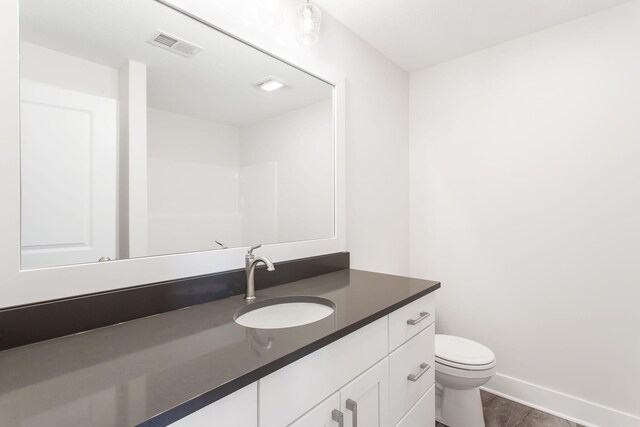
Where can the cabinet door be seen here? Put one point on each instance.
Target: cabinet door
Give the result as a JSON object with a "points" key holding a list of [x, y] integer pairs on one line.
{"points": [[239, 409], [364, 400], [292, 391], [322, 415]]}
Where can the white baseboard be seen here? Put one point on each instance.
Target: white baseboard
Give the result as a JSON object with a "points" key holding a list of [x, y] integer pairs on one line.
{"points": [[572, 408]]}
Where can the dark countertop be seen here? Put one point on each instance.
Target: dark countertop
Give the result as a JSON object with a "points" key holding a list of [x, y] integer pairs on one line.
{"points": [[155, 370]]}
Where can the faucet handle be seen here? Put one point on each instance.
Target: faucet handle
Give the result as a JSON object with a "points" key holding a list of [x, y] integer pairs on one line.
{"points": [[253, 248]]}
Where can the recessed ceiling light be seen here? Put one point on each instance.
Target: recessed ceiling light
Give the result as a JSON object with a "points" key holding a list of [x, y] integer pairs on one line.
{"points": [[270, 85]]}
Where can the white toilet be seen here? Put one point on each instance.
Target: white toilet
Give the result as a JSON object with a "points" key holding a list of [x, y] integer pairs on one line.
{"points": [[462, 366]]}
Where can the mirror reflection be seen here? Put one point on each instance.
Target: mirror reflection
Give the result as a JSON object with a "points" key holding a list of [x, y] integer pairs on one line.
{"points": [[145, 132]]}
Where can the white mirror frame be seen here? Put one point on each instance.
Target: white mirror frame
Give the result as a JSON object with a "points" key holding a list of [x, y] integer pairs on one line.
{"points": [[18, 287]]}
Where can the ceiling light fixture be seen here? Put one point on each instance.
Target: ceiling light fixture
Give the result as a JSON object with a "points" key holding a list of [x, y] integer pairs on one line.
{"points": [[270, 85], [310, 18]]}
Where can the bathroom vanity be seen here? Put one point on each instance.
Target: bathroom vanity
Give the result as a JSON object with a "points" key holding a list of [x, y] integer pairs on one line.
{"points": [[371, 362], [379, 375]]}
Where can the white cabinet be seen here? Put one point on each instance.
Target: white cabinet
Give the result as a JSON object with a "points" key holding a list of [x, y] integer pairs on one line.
{"points": [[362, 402], [239, 409], [393, 392], [288, 393]]}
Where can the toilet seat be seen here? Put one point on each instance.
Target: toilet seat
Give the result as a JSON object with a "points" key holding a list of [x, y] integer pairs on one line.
{"points": [[464, 367], [467, 374], [462, 353]]}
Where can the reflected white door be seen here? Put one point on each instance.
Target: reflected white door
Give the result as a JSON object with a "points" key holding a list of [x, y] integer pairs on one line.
{"points": [[68, 176]]}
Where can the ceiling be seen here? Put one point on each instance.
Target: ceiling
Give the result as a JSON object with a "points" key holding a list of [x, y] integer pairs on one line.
{"points": [[416, 34], [218, 83]]}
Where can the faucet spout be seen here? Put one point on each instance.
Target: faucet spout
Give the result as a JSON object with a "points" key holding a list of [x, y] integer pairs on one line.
{"points": [[260, 259], [252, 262]]}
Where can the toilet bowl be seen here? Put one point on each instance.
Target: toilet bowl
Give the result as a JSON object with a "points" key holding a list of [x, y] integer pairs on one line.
{"points": [[462, 366]]}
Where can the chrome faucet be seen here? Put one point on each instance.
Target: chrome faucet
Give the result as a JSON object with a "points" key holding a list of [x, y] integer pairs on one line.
{"points": [[251, 262]]}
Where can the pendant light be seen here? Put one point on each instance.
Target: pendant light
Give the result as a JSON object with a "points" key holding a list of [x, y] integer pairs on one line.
{"points": [[309, 20]]}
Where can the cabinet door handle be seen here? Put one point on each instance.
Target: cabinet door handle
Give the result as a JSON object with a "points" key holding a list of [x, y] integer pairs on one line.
{"points": [[423, 368], [423, 315], [352, 405], [338, 417]]}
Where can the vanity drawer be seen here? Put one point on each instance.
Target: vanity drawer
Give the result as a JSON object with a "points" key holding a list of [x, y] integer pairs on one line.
{"points": [[414, 359], [423, 413], [407, 321]]}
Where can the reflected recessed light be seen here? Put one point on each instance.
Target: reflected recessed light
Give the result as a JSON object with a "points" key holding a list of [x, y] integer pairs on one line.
{"points": [[270, 85]]}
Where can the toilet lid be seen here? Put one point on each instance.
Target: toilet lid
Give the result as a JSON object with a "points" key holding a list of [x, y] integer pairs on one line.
{"points": [[461, 352]]}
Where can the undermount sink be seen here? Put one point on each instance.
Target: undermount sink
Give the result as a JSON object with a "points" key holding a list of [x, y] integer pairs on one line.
{"points": [[284, 312]]}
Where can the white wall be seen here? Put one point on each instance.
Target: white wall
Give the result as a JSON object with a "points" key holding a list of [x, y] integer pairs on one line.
{"points": [[58, 69], [133, 215], [525, 203], [295, 156], [271, 181], [377, 117], [193, 183]]}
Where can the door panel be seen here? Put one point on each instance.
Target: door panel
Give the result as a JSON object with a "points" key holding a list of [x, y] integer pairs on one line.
{"points": [[68, 162], [367, 396]]}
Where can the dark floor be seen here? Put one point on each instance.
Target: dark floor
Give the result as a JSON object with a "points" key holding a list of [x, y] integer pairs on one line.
{"points": [[500, 412]]}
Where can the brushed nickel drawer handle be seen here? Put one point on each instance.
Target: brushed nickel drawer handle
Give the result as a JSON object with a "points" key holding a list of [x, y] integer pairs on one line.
{"points": [[352, 405], [423, 315], [415, 377], [338, 417]]}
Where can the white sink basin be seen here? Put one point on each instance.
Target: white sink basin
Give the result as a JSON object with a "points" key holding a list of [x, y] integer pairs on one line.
{"points": [[284, 312]]}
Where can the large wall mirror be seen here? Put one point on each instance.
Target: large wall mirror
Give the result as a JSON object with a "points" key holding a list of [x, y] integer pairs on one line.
{"points": [[145, 132]]}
